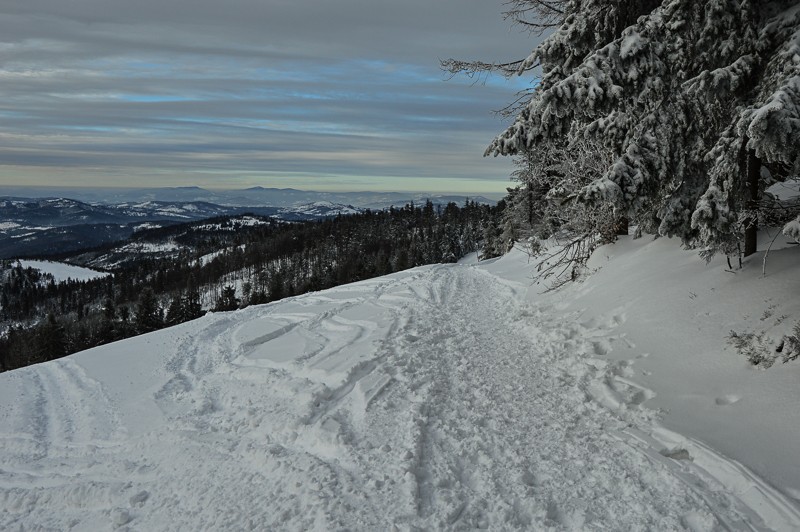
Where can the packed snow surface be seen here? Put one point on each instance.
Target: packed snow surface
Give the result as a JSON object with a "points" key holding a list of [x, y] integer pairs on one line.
{"points": [[62, 271], [444, 397]]}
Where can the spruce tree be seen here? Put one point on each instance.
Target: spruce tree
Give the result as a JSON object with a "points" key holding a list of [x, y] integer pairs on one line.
{"points": [[174, 314], [693, 104], [108, 324], [51, 339], [191, 307], [148, 315], [228, 299]]}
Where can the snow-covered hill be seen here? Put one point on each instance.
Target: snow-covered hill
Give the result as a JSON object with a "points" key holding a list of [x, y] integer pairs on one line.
{"points": [[443, 397]]}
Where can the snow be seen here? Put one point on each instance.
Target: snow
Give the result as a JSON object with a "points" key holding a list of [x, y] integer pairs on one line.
{"points": [[792, 229], [208, 257], [173, 211], [62, 271], [632, 43], [7, 226], [248, 221], [150, 247], [145, 226], [321, 208], [233, 225], [443, 397], [11, 226]]}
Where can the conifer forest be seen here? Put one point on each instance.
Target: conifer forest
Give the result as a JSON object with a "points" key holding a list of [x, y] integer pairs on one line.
{"points": [[224, 266]]}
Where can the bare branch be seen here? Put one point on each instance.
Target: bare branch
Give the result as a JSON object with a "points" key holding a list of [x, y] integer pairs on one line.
{"points": [[536, 16], [479, 68]]}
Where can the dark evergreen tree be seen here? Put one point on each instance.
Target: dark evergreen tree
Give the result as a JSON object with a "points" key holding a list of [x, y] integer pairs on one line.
{"points": [[277, 286], [148, 315], [174, 311], [51, 341], [191, 307], [228, 299], [108, 330]]}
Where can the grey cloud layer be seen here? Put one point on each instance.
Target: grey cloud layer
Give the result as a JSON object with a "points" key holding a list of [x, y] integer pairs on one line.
{"points": [[347, 87]]}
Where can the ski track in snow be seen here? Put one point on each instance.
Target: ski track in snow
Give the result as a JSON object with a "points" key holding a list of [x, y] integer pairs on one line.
{"points": [[430, 399]]}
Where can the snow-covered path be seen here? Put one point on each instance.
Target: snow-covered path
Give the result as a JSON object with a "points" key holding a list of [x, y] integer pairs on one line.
{"points": [[431, 399]]}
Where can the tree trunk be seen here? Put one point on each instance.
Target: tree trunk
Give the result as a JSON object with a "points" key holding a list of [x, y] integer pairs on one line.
{"points": [[621, 227], [530, 204], [751, 203]]}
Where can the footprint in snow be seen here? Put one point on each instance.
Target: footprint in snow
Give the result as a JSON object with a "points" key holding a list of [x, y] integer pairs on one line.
{"points": [[677, 454], [726, 400], [601, 347], [618, 319]]}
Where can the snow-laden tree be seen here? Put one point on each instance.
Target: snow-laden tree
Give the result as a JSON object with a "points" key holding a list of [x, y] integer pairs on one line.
{"points": [[759, 147], [692, 103]]}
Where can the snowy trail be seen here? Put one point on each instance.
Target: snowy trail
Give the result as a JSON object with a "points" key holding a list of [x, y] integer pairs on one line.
{"points": [[431, 399]]}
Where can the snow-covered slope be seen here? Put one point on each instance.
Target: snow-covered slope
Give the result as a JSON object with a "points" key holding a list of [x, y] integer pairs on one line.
{"points": [[62, 271], [444, 397]]}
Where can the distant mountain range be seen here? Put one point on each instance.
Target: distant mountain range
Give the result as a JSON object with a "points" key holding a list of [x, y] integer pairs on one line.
{"points": [[43, 226], [249, 197], [39, 221]]}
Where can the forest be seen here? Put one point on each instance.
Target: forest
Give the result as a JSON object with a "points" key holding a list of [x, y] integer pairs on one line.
{"points": [[222, 269]]}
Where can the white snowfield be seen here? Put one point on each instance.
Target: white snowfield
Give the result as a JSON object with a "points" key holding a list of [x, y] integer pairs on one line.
{"points": [[441, 398], [61, 271]]}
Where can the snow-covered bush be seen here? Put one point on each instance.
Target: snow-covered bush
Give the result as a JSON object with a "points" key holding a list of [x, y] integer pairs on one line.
{"points": [[761, 350], [756, 347], [790, 345]]}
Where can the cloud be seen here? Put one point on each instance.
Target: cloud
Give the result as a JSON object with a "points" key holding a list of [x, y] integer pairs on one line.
{"points": [[197, 91]]}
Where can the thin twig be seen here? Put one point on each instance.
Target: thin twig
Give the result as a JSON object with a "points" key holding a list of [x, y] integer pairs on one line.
{"points": [[766, 254]]}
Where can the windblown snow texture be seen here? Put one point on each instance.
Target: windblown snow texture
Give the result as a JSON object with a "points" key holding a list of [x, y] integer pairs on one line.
{"points": [[437, 398]]}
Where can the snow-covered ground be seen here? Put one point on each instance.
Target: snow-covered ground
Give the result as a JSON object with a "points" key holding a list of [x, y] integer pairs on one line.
{"points": [[444, 397], [149, 247], [146, 226], [62, 271], [233, 224], [208, 257]]}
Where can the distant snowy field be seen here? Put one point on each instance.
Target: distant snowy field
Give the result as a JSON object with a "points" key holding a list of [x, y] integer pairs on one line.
{"points": [[62, 271], [451, 397]]}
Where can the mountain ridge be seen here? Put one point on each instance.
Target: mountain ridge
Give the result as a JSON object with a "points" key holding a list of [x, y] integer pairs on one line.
{"points": [[32, 226], [257, 196]]}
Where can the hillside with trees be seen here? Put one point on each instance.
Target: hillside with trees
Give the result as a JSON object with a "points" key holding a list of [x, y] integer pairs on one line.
{"points": [[221, 265]]}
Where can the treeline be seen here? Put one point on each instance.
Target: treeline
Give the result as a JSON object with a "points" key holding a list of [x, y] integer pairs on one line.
{"points": [[226, 269]]}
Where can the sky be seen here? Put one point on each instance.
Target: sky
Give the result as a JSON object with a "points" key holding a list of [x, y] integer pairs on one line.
{"points": [[310, 94]]}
